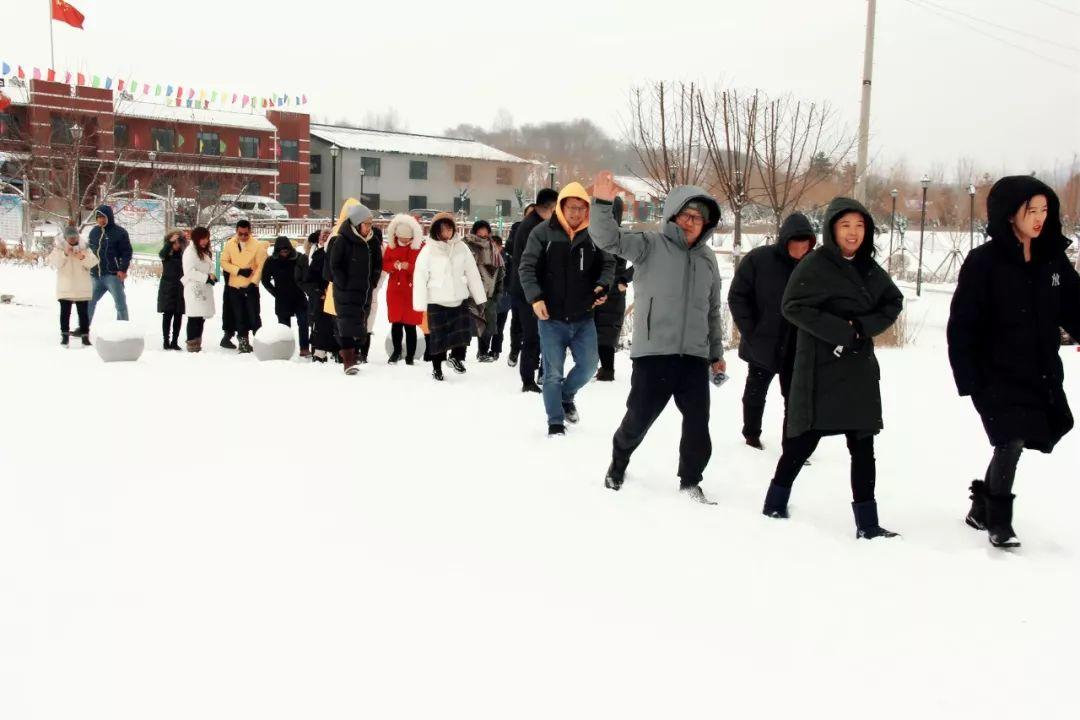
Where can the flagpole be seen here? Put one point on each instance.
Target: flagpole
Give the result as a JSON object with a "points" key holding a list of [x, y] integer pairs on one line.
{"points": [[52, 52]]}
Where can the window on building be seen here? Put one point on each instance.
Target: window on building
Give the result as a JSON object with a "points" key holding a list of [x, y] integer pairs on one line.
{"points": [[160, 184], [418, 170], [163, 139], [249, 147], [9, 126], [316, 164], [209, 191], [372, 166], [417, 202], [290, 151], [121, 135], [208, 143], [465, 207], [502, 208], [288, 193], [316, 200], [253, 187], [504, 176], [61, 131], [463, 173]]}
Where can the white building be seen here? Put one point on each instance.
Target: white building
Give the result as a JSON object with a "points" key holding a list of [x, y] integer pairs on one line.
{"points": [[402, 171]]}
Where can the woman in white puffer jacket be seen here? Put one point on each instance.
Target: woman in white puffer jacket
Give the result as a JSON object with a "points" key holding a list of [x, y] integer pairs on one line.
{"points": [[444, 277], [198, 281]]}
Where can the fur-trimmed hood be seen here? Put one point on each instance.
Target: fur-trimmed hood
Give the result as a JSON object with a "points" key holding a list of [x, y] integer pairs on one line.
{"points": [[398, 221]]}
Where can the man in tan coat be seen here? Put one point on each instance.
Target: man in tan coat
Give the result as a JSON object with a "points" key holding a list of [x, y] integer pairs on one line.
{"points": [[243, 258]]}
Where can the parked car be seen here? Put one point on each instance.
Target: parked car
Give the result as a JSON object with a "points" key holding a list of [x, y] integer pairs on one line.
{"points": [[231, 208], [424, 215], [384, 214]]}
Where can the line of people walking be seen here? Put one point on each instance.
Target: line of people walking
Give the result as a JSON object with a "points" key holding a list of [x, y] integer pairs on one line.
{"points": [[807, 313]]}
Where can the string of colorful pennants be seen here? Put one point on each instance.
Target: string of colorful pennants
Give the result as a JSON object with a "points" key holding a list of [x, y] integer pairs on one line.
{"points": [[169, 94]]}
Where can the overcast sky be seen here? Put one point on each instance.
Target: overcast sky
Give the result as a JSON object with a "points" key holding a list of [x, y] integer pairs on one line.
{"points": [[942, 87]]}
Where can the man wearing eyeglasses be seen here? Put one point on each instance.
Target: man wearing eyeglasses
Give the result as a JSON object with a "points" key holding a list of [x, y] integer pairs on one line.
{"points": [[243, 258], [678, 327]]}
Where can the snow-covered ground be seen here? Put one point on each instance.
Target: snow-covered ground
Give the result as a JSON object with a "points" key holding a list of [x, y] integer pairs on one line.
{"points": [[207, 536]]}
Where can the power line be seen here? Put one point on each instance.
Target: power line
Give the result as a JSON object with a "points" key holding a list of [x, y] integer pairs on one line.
{"points": [[1067, 11], [1048, 41], [998, 38]]}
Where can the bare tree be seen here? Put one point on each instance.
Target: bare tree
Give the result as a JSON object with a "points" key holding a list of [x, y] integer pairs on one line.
{"points": [[798, 147], [665, 133], [729, 127]]}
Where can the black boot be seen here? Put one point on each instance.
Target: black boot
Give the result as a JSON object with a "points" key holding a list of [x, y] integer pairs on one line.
{"points": [[776, 500], [571, 413], [999, 510], [695, 493], [227, 342], [395, 357], [64, 338], [86, 339], [530, 387], [976, 516], [616, 473], [755, 442], [245, 345], [512, 358], [866, 521], [605, 375]]}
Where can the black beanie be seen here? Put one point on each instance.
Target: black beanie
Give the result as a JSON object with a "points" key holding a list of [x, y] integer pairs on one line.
{"points": [[480, 224]]}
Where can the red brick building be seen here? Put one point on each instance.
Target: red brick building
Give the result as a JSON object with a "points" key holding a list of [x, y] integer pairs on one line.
{"points": [[200, 152]]}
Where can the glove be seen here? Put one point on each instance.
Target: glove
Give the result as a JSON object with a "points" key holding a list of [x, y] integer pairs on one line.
{"points": [[211, 281], [246, 272]]}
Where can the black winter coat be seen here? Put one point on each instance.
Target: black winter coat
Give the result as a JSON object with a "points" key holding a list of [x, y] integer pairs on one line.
{"points": [[170, 293], [279, 279], [355, 266], [756, 293], [1004, 338], [610, 315], [518, 241], [564, 273], [838, 307]]}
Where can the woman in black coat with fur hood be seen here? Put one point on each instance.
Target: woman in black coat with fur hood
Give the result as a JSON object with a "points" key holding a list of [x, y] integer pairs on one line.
{"points": [[170, 298], [1013, 296]]}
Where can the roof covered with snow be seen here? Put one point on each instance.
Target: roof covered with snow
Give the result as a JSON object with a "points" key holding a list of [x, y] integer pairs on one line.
{"points": [[410, 144], [641, 189], [195, 116]]}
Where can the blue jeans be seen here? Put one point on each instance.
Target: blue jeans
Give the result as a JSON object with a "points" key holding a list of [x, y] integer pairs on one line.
{"points": [[112, 285], [555, 337]]}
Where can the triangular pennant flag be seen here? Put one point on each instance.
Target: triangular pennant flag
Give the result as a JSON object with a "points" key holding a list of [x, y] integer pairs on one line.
{"points": [[80, 79], [264, 102], [178, 101], [202, 95], [243, 104], [120, 85], [96, 81], [157, 90], [234, 98], [179, 92], [67, 78], [189, 102], [304, 98], [213, 97], [37, 74], [206, 104], [5, 68], [108, 83], [146, 88], [22, 75], [51, 75], [191, 93]]}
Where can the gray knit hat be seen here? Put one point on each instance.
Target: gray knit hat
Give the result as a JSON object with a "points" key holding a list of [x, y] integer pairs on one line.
{"points": [[359, 214], [700, 207]]}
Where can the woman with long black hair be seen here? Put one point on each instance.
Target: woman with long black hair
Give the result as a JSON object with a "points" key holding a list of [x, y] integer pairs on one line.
{"points": [[1013, 296]]}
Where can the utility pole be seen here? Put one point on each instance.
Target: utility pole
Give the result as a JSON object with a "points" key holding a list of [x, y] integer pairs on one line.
{"points": [[864, 104]]}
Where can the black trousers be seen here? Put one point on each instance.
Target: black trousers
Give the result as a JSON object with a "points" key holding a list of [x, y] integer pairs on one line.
{"points": [[797, 451], [409, 331], [655, 381], [457, 353], [529, 360], [607, 357], [515, 331], [1002, 469], [173, 320], [228, 319], [195, 328], [82, 309], [758, 380], [245, 307]]}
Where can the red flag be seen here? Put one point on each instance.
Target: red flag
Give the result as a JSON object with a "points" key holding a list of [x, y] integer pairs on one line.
{"points": [[120, 85], [51, 76], [22, 75], [81, 79], [66, 13], [4, 101]]}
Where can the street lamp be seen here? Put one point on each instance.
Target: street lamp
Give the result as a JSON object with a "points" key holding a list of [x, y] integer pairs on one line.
{"points": [[363, 172], [674, 171], [736, 244], [925, 182], [892, 226], [334, 152], [77, 136], [971, 194], [551, 176]]}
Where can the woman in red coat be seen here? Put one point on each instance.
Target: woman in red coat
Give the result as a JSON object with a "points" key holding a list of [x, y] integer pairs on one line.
{"points": [[404, 238]]}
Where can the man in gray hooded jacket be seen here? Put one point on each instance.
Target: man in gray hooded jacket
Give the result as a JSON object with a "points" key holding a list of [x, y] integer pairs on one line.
{"points": [[678, 326]]}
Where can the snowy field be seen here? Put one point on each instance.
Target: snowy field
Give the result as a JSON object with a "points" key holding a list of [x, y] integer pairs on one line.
{"points": [[205, 536]]}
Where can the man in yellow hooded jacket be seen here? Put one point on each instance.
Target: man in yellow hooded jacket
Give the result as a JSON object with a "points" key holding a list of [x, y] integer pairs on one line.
{"points": [[564, 276], [243, 258]]}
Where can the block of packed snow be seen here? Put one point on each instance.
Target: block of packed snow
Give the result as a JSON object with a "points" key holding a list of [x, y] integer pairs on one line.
{"points": [[118, 341], [274, 342], [420, 345]]}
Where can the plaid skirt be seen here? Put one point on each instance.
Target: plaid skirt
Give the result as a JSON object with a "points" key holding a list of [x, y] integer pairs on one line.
{"points": [[448, 328]]}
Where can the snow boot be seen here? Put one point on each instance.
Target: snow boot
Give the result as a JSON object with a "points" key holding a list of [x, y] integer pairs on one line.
{"points": [[227, 342], [556, 430], [512, 359], [245, 346], [409, 361], [605, 375], [866, 521], [456, 365], [318, 356], [175, 345], [976, 516], [486, 358], [348, 359], [86, 339], [755, 442], [437, 374], [305, 352], [530, 387], [395, 358], [616, 474], [570, 410], [776, 500], [999, 511], [165, 345], [695, 493]]}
